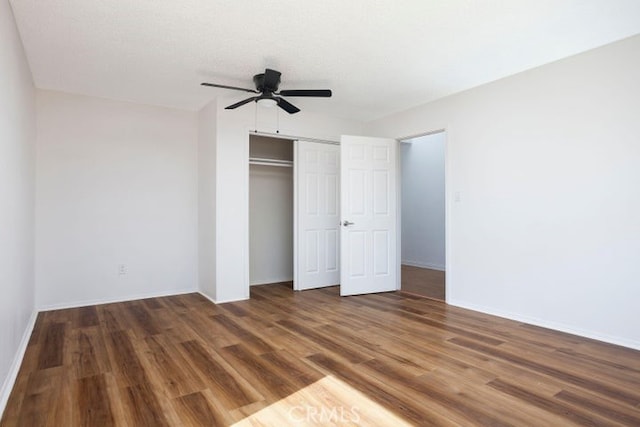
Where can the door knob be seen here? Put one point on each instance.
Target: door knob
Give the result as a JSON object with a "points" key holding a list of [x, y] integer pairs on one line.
{"points": [[347, 223]]}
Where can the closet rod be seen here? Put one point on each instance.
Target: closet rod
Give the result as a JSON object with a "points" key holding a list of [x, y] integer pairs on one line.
{"points": [[300, 138], [270, 162]]}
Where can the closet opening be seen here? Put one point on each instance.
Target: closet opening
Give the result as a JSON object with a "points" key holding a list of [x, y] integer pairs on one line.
{"points": [[423, 215], [271, 211]]}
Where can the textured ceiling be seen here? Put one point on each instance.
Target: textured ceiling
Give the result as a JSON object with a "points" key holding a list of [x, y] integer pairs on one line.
{"points": [[379, 57]]}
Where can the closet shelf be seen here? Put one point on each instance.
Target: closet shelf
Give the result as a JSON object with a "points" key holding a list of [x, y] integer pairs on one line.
{"points": [[270, 162]]}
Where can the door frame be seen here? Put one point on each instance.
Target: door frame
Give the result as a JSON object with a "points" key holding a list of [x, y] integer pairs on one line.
{"points": [[447, 206]]}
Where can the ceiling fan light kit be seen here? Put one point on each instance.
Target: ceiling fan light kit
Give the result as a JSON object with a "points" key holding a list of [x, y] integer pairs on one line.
{"points": [[267, 84], [267, 102]]}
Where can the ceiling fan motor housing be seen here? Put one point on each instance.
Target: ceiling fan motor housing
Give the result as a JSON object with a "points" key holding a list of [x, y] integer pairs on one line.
{"points": [[258, 80]]}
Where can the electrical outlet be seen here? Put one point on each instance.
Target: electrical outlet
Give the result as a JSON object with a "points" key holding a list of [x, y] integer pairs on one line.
{"points": [[122, 269]]}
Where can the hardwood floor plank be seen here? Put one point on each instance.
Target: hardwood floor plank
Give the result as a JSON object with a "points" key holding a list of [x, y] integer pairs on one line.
{"points": [[63, 411], [598, 387], [93, 402], [40, 397], [179, 333], [583, 368], [603, 366], [401, 359], [151, 304], [88, 316], [423, 281], [568, 339], [476, 395], [124, 359], [143, 408], [547, 405], [88, 352], [175, 303], [108, 315], [461, 404], [299, 373], [117, 400], [373, 347], [52, 347], [144, 323], [195, 411], [169, 369], [263, 377], [254, 342], [376, 391], [235, 309], [602, 407], [399, 310], [38, 329], [282, 339], [324, 341], [624, 356], [221, 379], [211, 331]]}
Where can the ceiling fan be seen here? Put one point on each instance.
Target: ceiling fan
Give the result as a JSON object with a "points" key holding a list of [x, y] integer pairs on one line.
{"points": [[267, 86]]}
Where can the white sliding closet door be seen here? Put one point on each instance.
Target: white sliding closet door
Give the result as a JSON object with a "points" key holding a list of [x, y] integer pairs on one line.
{"points": [[317, 173]]}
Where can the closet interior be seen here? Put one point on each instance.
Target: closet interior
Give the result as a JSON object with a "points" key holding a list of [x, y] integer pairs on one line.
{"points": [[271, 210]]}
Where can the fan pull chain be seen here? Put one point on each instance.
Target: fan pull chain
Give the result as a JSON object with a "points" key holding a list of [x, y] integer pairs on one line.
{"points": [[278, 120], [255, 118]]}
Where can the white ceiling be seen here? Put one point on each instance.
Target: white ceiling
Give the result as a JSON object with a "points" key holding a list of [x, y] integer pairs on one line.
{"points": [[377, 56]]}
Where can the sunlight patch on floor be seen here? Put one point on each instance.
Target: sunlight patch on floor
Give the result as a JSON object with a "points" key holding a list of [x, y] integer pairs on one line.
{"points": [[327, 402]]}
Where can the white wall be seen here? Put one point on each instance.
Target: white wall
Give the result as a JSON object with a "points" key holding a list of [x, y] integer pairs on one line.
{"points": [[232, 182], [547, 229], [270, 224], [116, 184], [17, 163], [207, 120], [423, 202]]}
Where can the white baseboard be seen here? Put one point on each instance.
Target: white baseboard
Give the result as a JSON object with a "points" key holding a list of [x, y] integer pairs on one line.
{"points": [[423, 265], [85, 303], [10, 379], [549, 325], [222, 301]]}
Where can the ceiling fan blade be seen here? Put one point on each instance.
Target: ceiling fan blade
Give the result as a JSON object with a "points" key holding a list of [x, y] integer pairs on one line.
{"points": [[241, 103], [286, 106], [271, 79], [229, 87], [320, 93]]}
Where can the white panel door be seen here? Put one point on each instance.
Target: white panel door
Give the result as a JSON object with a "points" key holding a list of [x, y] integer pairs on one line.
{"points": [[368, 214], [317, 168]]}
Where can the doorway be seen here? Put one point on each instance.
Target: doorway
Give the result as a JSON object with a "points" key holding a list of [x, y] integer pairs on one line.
{"points": [[423, 215]]}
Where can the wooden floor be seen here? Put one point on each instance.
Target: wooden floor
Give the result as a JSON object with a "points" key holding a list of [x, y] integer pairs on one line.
{"points": [[285, 358], [423, 281]]}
